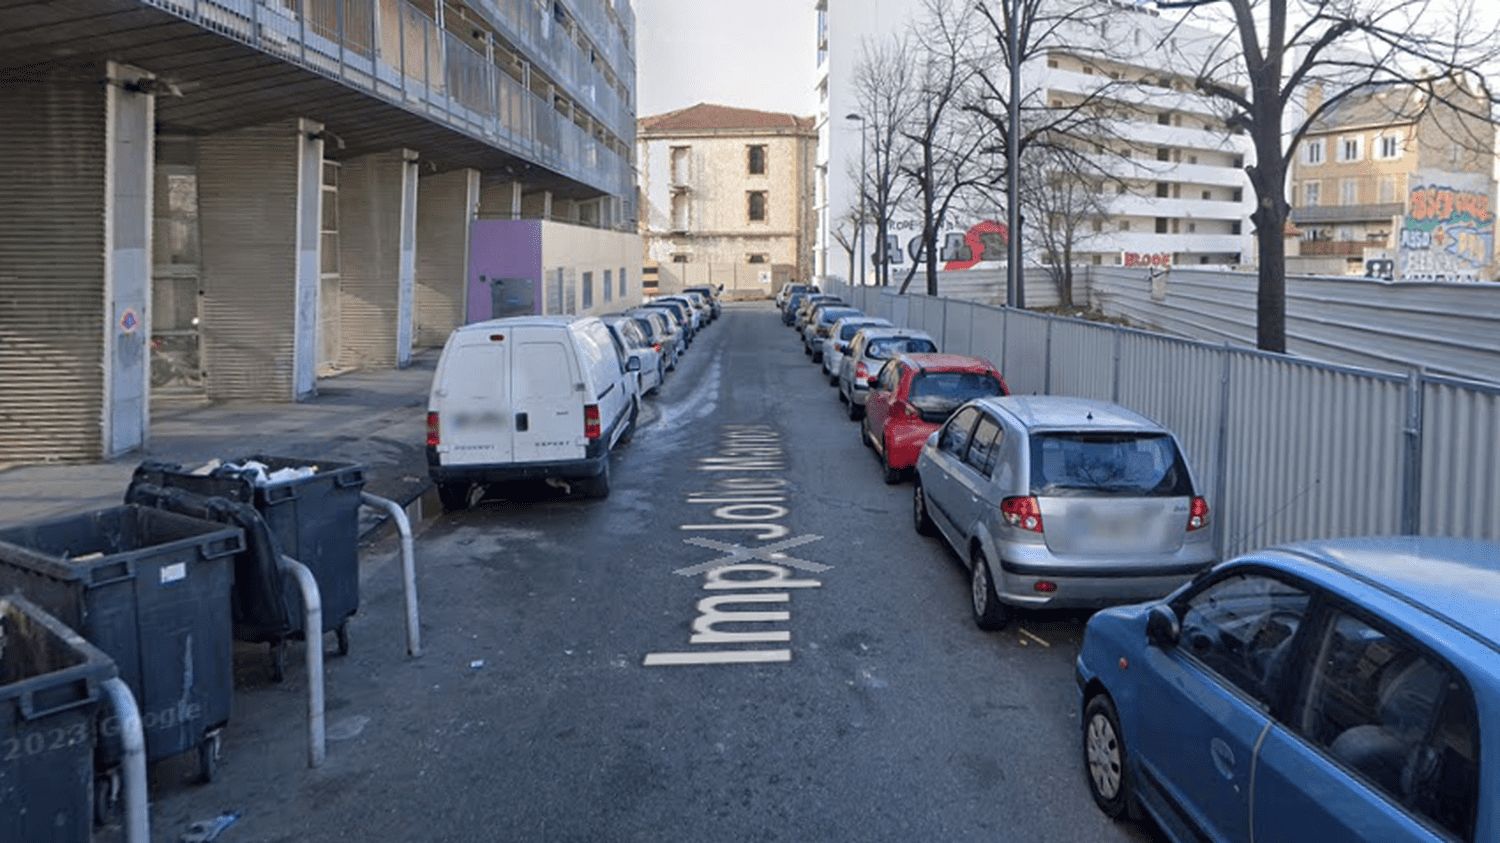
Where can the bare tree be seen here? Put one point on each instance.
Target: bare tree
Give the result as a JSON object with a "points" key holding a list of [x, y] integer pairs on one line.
{"points": [[949, 144], [886, 98], [1262, 56], [1065, 201], [845, 233]]}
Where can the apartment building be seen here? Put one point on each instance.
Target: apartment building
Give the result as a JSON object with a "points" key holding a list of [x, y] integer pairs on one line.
{"points": [[1174, 172], [219, 199], [726, 195], [1357, 169]]}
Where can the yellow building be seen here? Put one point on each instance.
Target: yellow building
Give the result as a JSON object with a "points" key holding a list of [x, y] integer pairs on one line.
{"points": [[726, 196], [1353, 171]]}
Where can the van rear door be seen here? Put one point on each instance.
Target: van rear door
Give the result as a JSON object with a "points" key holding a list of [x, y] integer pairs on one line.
{"points": [[472, 400], [548, 403]]}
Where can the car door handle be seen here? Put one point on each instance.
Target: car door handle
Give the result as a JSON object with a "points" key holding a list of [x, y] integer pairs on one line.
{"points": [[523, 422], [1223, 757]]}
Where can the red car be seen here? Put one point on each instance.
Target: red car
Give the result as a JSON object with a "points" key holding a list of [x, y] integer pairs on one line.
{"points": [[912, 397]]}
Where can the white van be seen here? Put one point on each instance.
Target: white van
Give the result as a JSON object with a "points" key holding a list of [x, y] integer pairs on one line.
{"points": [[524, 397]]}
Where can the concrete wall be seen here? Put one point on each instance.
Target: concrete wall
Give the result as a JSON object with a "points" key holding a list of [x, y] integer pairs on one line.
{"points": [[577, 250], [557, 258], [740, 281], [446, 203], [377, 284]]}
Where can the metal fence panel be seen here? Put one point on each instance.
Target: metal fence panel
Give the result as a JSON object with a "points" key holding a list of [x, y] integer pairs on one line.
{"points": [[898, 308], [987, 336], [1316, 452], [1083, 360], [1025, 356], [1460, 461], [958, 327]]}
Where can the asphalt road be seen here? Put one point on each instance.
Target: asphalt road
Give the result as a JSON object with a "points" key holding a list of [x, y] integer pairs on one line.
{"points": [[534, 713]]}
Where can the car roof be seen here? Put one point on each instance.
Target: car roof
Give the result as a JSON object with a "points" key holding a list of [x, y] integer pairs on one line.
{"points": [[866, 319], [1456, 581], [1068, 413], [519, 321], [946, 362], [875, 331]]}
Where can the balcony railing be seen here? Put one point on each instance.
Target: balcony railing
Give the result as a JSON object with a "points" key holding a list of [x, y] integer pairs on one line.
{"points": [[411, 62], [1347, 213], [1337, 248]]}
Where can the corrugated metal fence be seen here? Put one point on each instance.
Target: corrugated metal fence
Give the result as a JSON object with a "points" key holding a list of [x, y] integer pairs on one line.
{"points": [[1285, 449]]}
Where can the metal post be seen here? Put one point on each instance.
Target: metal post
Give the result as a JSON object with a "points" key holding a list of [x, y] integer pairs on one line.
{"points": [[133, 772], [1004, 336], [1411, 492], [1047, 365], [408, 569], [339, 24], [302, 27], [401, 34], [1015, 293], [863, 241], [1114, 394], [1221, 458], [312, 632]]}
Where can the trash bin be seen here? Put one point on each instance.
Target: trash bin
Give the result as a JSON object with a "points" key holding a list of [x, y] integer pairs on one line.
{"points": [[151, 590], [49, 696], [314, 519]]}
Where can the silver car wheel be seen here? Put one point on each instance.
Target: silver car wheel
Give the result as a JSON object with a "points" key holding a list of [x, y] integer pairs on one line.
{"points": [[980, 587], [1104, 756]]}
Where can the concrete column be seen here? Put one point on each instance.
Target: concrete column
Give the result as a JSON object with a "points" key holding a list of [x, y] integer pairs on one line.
{"points": [[260, 204], [445, 206], [515, 200], [75, 263], [377, 258], [537, 206]]}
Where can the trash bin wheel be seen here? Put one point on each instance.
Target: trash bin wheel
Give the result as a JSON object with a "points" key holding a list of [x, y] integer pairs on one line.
{"points": [[208, 756], [107, 798], [343, 637], [278, 661]]}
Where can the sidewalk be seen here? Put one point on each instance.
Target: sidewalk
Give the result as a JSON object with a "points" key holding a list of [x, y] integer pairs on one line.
{"points": [[372, 418]]}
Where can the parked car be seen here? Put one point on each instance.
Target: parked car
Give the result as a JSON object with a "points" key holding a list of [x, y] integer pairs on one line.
{"points": [[913, 395], [662, 332], [710, 293], [1063, 503], [868, 351], [682, 315], [820, 325], [506, 404], [794, 303], [1332, 690], [692, 312], [838, 339], [631, 341], [787, 291], [804, 310], [699, 303]]}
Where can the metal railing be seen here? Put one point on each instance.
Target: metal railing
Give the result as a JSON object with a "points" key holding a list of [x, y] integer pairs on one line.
{"points": [[410, 61]]}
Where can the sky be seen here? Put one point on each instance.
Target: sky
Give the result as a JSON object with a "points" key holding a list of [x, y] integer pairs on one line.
{"points": [[745, 53]]}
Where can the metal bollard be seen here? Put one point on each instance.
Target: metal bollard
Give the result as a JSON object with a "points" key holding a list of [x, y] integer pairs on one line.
{"points": [[312, 626], [408, 569], [133, 741]]}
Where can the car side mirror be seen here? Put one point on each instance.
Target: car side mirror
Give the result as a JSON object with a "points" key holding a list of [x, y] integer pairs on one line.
{"points": [[633, 364], [1162, 627]]}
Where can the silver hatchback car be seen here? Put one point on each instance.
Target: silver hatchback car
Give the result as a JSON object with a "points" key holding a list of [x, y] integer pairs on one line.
{"points": [[1061, 502], [868, 351]]}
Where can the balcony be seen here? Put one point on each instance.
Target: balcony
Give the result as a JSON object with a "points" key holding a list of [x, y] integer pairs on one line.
{"points": [[1337, 248], [1379, 212], [1148, 169], [1150, 242], [1189, 209]]}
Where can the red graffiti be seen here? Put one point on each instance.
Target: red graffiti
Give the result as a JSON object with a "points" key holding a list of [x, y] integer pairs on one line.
{"points": [[984, 240]]}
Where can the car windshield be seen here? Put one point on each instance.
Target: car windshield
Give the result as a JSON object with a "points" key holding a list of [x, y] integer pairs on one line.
{"points": [[884, 348], [1115, 464], [851, 328], [945, 391], [833, 314]]}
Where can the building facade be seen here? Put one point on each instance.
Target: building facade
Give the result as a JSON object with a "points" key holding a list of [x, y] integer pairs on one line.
{"points": [[1360, 164], [726, 192], [1174, 171], [227, 199]]}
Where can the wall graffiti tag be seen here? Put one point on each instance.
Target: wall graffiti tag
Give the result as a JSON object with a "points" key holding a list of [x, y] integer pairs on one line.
{"points": [[1448, 233]]}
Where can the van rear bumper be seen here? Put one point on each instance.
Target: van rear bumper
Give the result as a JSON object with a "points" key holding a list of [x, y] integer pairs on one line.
{"points": [[591, 466]]}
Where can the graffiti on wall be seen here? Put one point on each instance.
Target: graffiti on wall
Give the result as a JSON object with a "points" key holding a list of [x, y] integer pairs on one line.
{"points": [[1448, 233], [960, 249]]}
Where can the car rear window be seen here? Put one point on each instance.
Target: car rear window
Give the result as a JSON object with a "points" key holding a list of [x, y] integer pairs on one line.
{"points": [[1115, 464], [944, 392], [850, 329], [884, 348], [834, 314]]}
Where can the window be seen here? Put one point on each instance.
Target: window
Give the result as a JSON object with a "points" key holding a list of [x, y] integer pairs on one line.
{"points": [[1192, 159], [955, 437], [588, 290], [1108, 464], [1239, 195], [757, 205], [1208, 195], [1312, 194], [1234, 227], [1163, 154], [1242, 628], [1349, 192], [1394, 716], [1192, 228], [1124, 225], [681, 164], [1161, 225], [1097, 226], [609, 285], [757, 159], [1351, 148], [986, 447], [679, 258], [1164, 119], [1387, 147], [1052, 63], [1162, 190], [1312, 152], [758, 257]]}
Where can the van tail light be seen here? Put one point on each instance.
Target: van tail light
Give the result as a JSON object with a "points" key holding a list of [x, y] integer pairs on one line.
{"points": [[656, 346], [1024, 513], [591, 426], [434, 438], [1197, 514]]}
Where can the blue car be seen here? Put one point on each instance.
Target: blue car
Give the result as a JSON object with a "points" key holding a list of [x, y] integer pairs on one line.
{"points": [[1332, 691]]}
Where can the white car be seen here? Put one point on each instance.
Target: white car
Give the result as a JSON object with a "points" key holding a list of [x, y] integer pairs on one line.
{"points": [[867, 353], [528, 397], [837, 342], [631, 341], [694, 311]]}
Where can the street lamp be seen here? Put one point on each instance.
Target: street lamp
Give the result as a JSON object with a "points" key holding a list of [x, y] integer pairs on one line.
{"points": [[862, 245]]}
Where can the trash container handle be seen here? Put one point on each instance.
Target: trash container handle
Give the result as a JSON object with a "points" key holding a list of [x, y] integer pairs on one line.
{"points": [[227, 546], [84, 695], [281, 492], [349, 478], [113, 573]]}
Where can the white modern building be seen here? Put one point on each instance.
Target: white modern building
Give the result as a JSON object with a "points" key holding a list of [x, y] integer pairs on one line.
{"points": [[1182, 195]]}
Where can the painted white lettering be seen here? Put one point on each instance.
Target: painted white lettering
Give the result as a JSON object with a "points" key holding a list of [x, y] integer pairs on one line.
{"points": [[705, 626], [750, 512], [765, 532], [719, 657], [778, 577]]}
